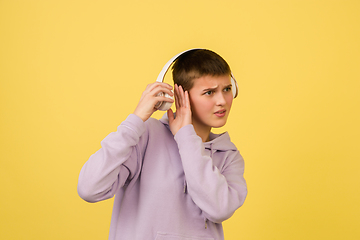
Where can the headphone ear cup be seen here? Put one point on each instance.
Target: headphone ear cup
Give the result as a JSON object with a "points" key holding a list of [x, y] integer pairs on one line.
{"points": [[234, 88], [163, 106]]}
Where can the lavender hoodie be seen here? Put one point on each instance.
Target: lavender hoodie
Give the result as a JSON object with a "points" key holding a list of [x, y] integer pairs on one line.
{"points": [[166, 187]]}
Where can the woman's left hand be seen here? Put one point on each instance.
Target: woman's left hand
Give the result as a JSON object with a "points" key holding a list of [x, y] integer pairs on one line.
{"points": [[183, 110]]}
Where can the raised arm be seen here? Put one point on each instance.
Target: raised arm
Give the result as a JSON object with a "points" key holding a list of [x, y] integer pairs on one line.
{"points": [[118, 160], [115, 163]]}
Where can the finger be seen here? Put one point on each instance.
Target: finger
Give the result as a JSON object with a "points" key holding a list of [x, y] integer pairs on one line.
{"points": [[187, 99], [170, 114], [158, 85], [176, 95], [161, 89], [182, 96], [165, 85], [163, 99]]}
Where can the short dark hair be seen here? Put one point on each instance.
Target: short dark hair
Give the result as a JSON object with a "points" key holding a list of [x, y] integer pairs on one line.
{"points": [[197, 63]]}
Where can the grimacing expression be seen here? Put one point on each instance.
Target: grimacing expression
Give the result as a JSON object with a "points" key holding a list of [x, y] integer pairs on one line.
{"points": [[211, 99]]}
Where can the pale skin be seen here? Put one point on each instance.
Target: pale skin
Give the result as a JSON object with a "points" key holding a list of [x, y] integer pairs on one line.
{"points": [[149, 98], [207, 104]]}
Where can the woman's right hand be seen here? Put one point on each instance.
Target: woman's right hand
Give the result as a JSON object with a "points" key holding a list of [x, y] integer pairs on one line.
{"points": [[150, 97]]}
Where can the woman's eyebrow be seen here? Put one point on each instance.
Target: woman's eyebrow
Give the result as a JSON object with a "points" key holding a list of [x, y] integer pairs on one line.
{"points": [[214, 88], [210, 89]]}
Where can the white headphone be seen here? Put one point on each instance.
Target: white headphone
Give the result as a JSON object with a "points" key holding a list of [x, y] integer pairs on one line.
{"points": [[164, 106]]}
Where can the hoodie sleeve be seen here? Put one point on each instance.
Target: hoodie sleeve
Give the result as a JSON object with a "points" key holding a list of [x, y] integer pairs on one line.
{"points": [[115, 163], [217, 193]]}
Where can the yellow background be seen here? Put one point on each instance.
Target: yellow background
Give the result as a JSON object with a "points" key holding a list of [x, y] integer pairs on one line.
{"points": [[71, 71]]}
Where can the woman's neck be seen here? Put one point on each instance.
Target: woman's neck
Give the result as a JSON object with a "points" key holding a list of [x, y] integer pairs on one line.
{"points": [[203, 132]]}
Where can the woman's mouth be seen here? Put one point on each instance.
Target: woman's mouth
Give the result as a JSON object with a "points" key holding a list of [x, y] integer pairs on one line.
{"points": [[220, 113]]}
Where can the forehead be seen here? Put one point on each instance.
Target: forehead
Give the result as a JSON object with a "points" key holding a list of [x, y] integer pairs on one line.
{"points": [[209, 81]]}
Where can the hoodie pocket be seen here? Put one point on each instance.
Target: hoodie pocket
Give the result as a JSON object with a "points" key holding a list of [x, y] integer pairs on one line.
{"points": [[171, 236]]}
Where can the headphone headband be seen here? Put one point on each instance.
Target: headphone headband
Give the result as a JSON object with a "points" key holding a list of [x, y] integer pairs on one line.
{"points": [[161, 76]]}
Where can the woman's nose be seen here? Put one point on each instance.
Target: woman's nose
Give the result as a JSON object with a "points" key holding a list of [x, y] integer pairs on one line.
{"points": [[220, 99]]}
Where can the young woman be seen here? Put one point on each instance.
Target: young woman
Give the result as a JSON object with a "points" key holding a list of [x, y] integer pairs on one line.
{"points": [[172, 178]]}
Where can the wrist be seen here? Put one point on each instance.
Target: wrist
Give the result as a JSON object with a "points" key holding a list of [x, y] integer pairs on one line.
{"points": [[143, 118]]}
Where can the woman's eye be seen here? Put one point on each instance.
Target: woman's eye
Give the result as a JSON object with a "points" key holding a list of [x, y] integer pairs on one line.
{"points": [[227, 89]]}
